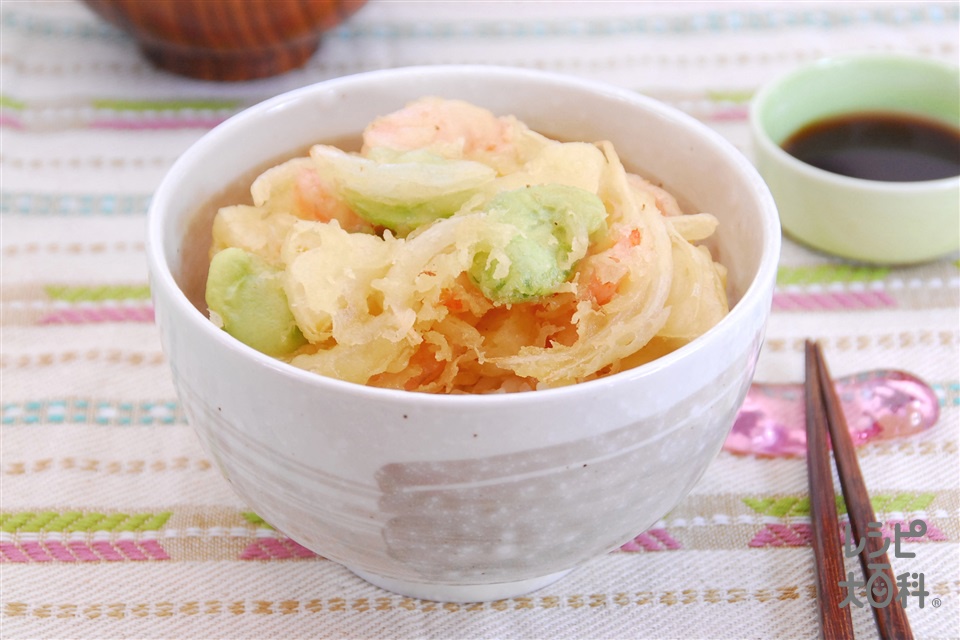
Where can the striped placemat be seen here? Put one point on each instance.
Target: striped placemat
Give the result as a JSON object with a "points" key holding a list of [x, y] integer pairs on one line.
{"points": [[114, 523]]}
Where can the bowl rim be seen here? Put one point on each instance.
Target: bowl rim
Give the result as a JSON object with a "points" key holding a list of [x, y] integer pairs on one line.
{"points": [[760, 136], [756, 295]]}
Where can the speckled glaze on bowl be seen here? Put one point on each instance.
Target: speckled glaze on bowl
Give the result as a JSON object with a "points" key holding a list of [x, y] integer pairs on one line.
{"points": [[465, 498]]}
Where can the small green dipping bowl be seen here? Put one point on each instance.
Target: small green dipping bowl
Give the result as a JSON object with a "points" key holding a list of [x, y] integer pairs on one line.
{"points": [[862, 220]]}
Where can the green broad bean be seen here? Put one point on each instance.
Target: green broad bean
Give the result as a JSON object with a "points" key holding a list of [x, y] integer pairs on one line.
{"points": [[551, 227], [247, 296]]}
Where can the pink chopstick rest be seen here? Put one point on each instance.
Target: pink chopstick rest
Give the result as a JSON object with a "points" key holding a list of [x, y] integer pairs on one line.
{"points": [[878, 405]]}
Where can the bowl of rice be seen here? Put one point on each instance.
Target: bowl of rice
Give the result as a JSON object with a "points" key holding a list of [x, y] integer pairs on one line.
{"points": [[462, 329]]}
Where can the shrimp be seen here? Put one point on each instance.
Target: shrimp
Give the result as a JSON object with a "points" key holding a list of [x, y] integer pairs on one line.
{"points": [[297, 188], [601, 273], [456, 130]]}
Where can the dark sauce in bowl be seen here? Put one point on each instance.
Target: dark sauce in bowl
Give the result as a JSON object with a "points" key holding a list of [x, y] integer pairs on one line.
{"points": [[889, 147]]}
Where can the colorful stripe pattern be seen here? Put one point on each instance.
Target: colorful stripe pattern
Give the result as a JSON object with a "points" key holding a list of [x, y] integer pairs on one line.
{"points": [[206, 114], [81, 551], [99, 293], [78, 536], [652, 540], [75, 536], [119, 115], [719, 21], [276, 549], [72, 305], [832, 301], [80, 204], [799, 534], [79, 521], [271, 547], [846, 287], [100, 313], [110, 303], [790, 506], [825, 273], [91, 411], [833, 287]]}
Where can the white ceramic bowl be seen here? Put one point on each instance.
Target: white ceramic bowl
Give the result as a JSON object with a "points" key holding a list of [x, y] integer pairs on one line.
{"points": [[464, 498]]}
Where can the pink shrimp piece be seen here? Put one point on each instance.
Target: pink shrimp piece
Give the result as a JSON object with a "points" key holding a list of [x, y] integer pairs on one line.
{"points": [[315, 200], [601, 278], [298, 189], [440, 125]]}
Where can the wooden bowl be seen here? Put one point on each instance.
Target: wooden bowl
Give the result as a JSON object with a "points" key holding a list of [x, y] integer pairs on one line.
{"points": [[226, 39]]}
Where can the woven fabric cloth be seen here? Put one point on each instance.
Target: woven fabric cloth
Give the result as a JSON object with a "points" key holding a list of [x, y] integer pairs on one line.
{"points": [[116, 524]]}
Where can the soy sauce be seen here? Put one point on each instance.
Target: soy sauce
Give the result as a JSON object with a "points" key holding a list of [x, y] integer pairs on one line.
{"points": [[879, 146]]}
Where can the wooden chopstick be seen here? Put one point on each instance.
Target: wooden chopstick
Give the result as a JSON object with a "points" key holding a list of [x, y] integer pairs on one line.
{"points": [[835, 621], [891, 618]]}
